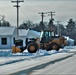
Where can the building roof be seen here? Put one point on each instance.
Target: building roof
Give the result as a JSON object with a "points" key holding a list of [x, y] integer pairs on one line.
{"points": [[23, 32], [28, 33], [7, 31], [11, 31], [33, 34]]}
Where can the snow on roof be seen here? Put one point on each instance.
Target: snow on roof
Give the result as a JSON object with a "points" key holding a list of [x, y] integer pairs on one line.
{"points": [[23, 32], [28, 33], [33, 34], [5, 31], [9, 31]]}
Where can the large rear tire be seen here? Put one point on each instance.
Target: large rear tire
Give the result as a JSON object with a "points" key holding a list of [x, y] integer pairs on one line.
{"points": [[32, 47], [54, 46]]}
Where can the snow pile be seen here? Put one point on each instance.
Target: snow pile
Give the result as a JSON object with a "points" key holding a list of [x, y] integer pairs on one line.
{"points": [[70, 42], [6, 57], [69, 47]]}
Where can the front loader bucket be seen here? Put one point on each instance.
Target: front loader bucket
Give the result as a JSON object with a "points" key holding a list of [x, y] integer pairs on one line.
{"points": [[15, 49], [18, 46]]}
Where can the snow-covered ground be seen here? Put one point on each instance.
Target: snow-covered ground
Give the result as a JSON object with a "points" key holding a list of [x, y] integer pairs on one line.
{"points": [[19, 62]]}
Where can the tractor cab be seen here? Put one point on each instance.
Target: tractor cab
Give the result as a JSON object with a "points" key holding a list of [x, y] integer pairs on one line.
{"points": [[47, 36]]}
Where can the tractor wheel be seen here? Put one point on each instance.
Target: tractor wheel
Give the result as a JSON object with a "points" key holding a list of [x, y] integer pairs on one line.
{"points": [[54, 46], [32, 47]]}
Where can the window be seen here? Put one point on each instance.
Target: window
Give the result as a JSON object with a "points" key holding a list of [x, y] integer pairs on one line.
{"points": [[4, 41]]}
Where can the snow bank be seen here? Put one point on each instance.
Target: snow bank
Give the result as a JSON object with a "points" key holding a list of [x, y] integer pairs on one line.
{"points": [[70, 42]]}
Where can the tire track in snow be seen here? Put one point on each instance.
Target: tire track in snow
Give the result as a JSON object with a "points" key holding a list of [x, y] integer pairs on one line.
{"points": [[30, 70]]}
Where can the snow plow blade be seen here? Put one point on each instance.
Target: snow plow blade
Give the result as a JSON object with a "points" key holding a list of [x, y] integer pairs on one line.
{"points": [[15, 49]]}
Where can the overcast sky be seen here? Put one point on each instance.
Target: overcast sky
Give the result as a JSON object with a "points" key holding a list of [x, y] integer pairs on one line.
{"points": [[64, 10]]}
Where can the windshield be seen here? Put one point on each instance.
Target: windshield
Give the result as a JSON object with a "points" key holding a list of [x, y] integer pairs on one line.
{"points": [[46, 35]]}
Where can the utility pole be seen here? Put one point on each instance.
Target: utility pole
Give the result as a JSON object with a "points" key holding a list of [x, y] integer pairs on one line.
{"points": [[51, 14], [58, 28], [17, 6], [42, 15], [51, 19]]}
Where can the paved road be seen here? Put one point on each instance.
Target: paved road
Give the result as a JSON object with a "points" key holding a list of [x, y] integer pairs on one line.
{"points": [[60, 63]]}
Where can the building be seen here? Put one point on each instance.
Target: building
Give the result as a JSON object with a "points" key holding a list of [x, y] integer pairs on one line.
{"points": [[9, 34], [6, 37]]}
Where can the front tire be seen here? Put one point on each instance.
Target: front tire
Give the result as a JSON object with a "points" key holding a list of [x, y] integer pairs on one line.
{"points": [[32, 47]]}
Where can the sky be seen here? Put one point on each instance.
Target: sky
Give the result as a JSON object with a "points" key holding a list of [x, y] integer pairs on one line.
{"points": [[29, 9]]}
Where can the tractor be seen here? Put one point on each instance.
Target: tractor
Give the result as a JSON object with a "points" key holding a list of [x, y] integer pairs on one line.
{"points": [[47, 41]]}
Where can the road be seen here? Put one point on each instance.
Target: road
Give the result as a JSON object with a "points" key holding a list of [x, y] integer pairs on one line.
{"points": [[65, 65], [60, 63]]}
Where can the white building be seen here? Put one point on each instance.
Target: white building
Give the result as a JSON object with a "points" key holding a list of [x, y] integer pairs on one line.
{"points": [[8, 35]]}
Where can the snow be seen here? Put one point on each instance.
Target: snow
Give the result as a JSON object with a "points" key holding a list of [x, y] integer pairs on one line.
{"points": [[4, 31], [11, 63], [23, 32], [70, 42], [59, 68], [63, 67]]}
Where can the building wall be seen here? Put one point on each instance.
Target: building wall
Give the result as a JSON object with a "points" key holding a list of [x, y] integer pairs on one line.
{"points": [[9, 43]]}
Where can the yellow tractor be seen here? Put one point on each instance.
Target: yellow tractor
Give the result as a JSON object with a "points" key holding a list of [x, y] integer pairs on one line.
{"points": [[47, 41]]}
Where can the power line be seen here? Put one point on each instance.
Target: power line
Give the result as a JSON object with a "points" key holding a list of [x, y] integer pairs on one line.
{"points": [[17, 6]]}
